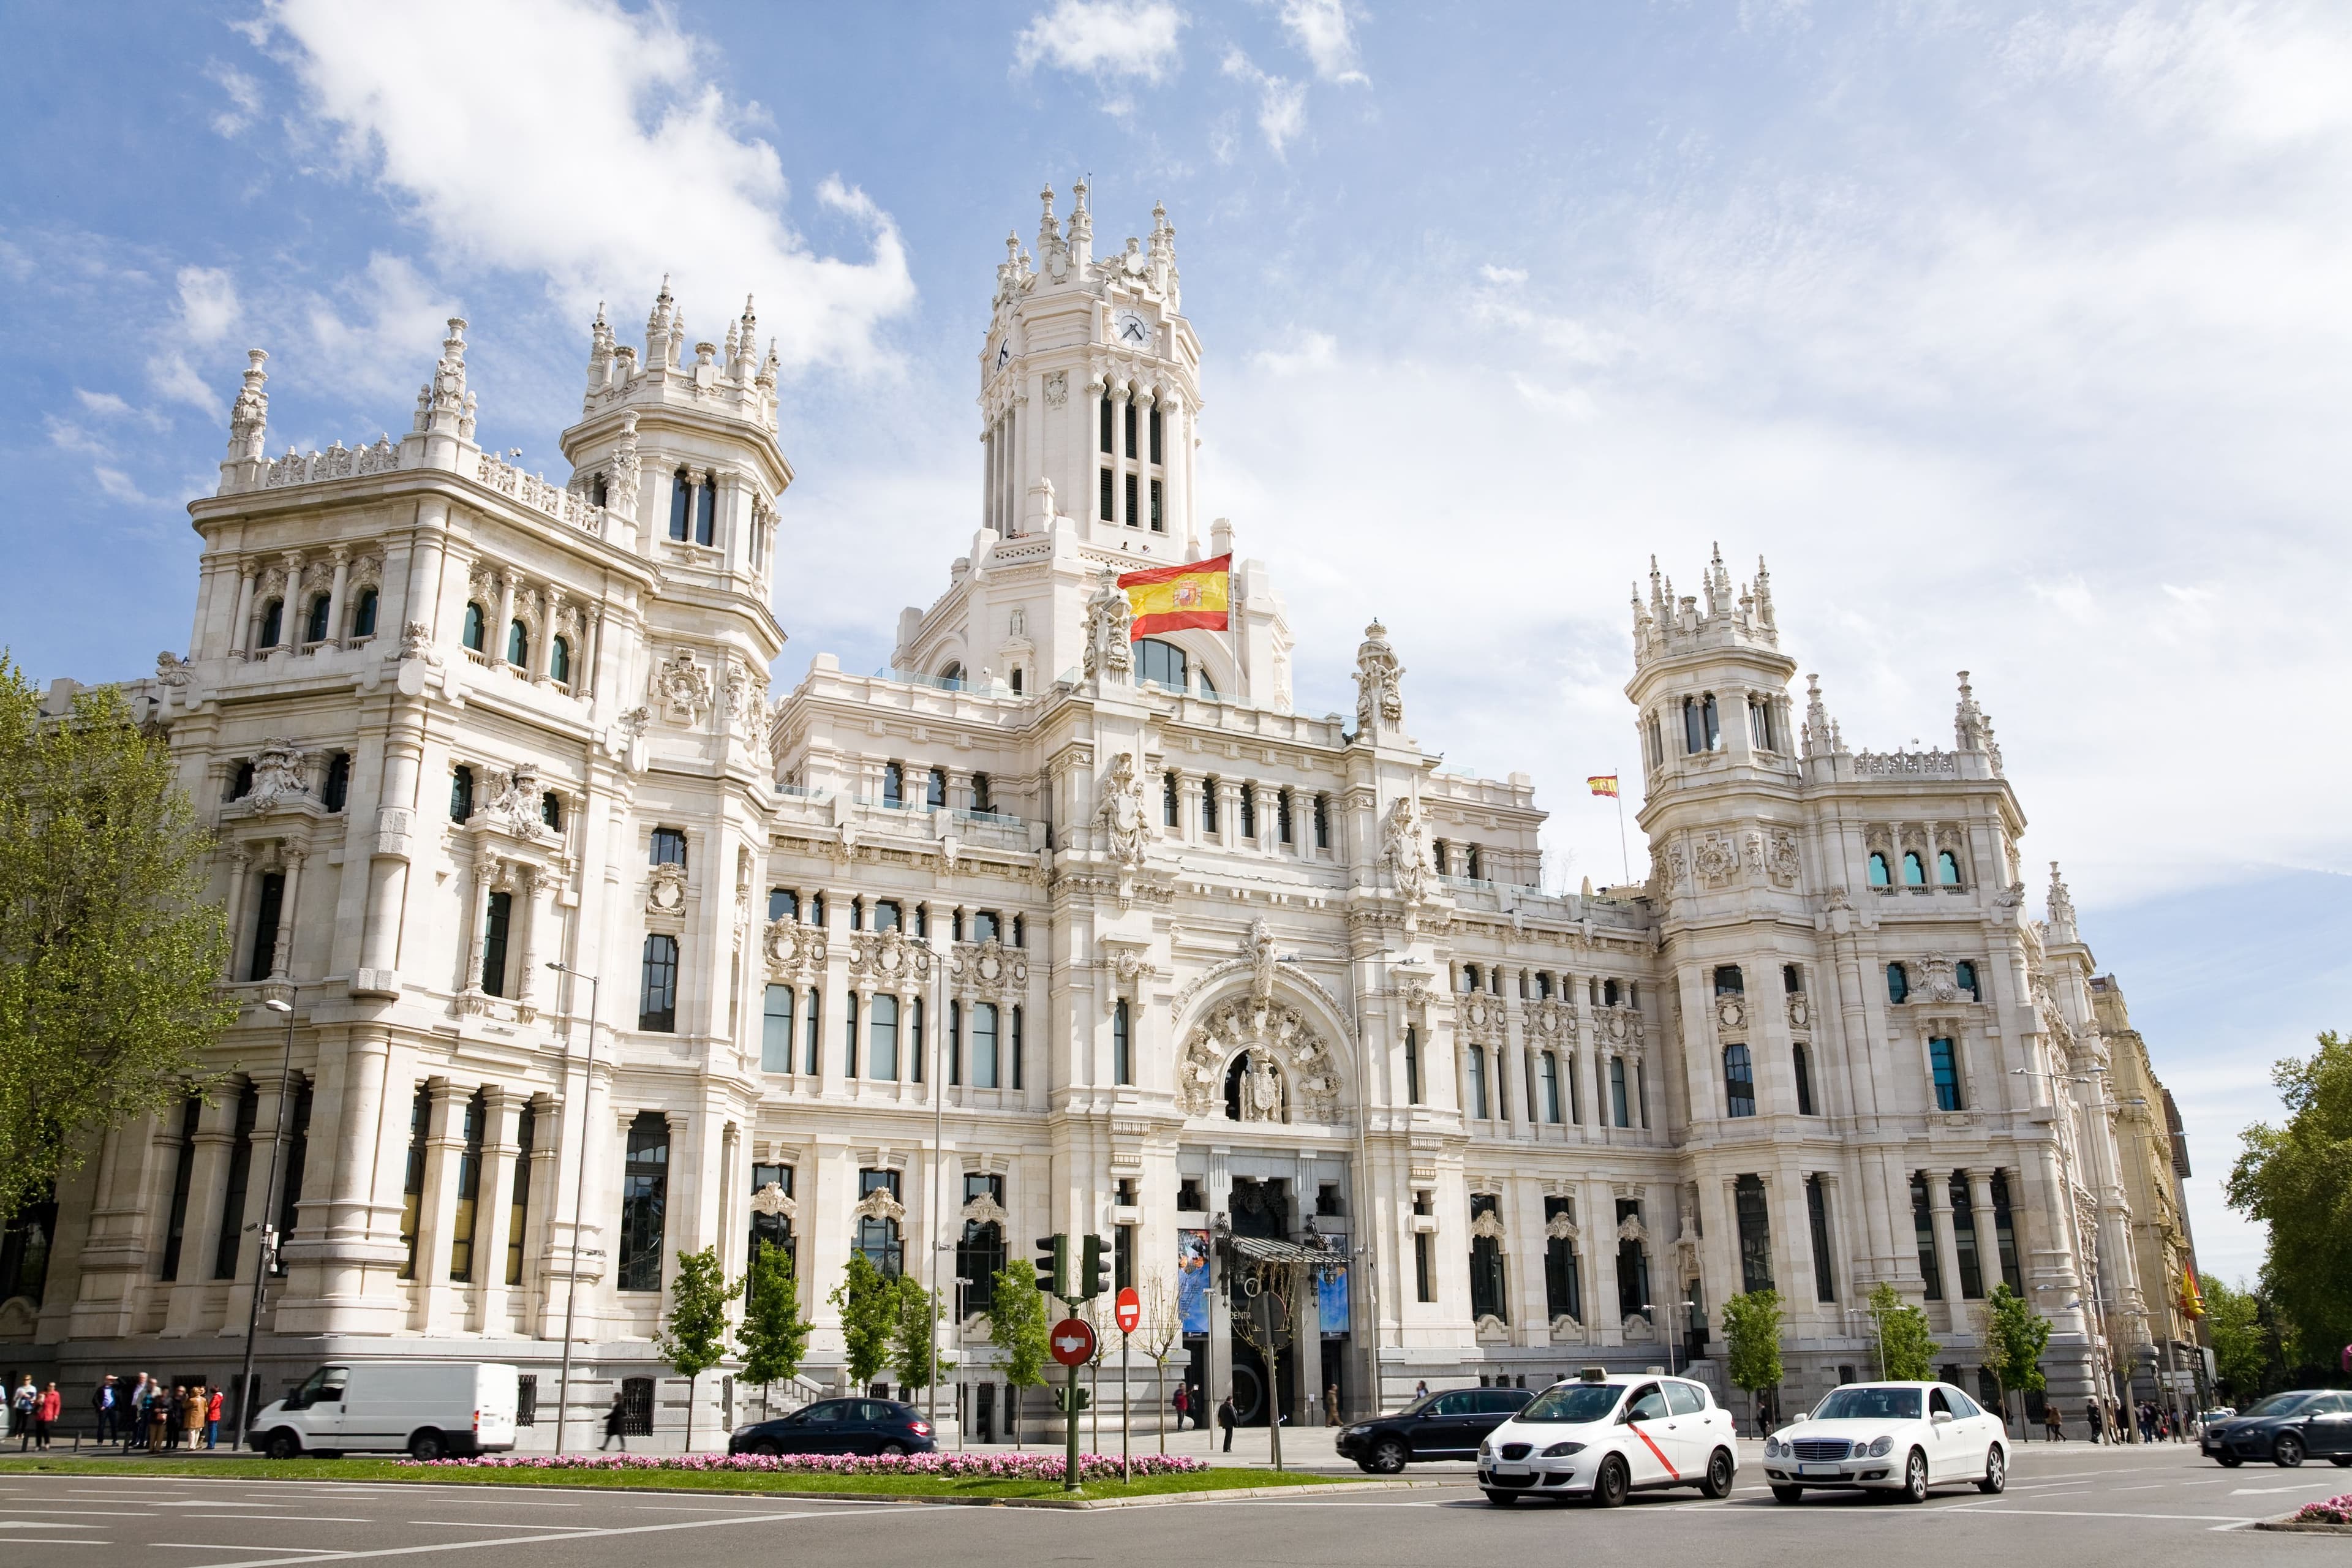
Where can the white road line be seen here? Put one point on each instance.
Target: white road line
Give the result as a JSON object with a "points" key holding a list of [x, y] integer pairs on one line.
{"points": [[528, 1540], [2266, 1491], [79, 1512], [56, 1541], [2095, 1513], [489, 1524], [232, 1546], [291, 1517]]}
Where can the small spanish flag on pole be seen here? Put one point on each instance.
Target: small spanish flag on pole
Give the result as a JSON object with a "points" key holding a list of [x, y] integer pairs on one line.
{"points": [[1170, 598], [1606, 785]]}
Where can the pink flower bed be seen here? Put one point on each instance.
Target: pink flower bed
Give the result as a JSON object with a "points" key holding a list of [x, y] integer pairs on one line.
{"points": [[2333, 1511], [951, 1466]]}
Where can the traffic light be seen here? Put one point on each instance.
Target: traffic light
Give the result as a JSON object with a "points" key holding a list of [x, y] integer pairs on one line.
{"points": [[1093, 1278], [1054, 1265]]}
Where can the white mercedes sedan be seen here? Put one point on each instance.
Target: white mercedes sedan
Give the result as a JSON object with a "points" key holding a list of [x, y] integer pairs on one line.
{"points": [[1898, 1437]]}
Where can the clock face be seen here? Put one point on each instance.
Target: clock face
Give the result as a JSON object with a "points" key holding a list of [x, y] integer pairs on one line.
{"points": [[1130, 331], [1004, 353]]}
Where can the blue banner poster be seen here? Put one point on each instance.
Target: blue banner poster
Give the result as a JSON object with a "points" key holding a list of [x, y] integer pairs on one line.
{"points": [[1193, 1280], [1332, 1299]]}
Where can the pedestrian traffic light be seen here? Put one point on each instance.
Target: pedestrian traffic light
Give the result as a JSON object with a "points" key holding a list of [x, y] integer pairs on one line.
{"points": [[1093, 1272], [1054, 1265]]}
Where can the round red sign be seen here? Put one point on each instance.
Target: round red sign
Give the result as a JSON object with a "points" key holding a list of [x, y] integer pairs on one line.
{"points": [[1130, 1310], [1073, 1340]]}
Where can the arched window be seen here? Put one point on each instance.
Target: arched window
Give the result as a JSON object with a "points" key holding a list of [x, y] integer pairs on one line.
{"points": [[1947, 868], [1878, 876], [706, 510], [1122, 1044], [272, 615], [518, 644], [783, 904], [657, 997], [935, 794], [477, 631], [882, 1036], [952, 676], [1478, 1082], [1714, 728], [1469, 977], [980, 1256], [681, 503], [894, 784], [1169, 802], [559, 661], [980, 797], [1914, 873], [668, 848], [984, 1051], [339, 782], [878, 1237], [363, 614], [1162, 663], [645, 1192], [551, 810], [461, 793], [1694, 731], [1016, 681], [315, 629], [1898, 982], [1738, 1080], [1944, 1064], [1411, 1066], [1964, 975], [1803, 1062], [1208, 689], [1234, 1075]]}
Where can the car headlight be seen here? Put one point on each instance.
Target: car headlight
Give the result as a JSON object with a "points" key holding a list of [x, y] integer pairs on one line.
{"points": [[1562, 1450], [1355, 1431], [1485, 1450], [1882, 1446]]}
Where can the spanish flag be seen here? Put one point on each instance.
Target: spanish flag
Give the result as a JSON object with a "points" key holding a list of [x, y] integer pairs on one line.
{"points": [[1169, 598], [1604, 783]]}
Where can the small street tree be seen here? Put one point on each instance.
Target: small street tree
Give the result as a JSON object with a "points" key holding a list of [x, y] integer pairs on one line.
{"points": [[1017, 1327], [2243, 1347], [2014, 1337], [2296, 1179], [694, 1338], [868, 1303], [772, 1336], [1159, 1336], [111, 951], [1751, 1328], [1907, 1350], [913, 1335]]}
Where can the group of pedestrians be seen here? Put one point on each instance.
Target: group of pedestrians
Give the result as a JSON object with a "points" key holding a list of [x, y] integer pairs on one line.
{"points": [[146, 1417], [31, 1412]]}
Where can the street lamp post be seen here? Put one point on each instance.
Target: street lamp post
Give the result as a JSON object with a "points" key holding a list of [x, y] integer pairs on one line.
{"points": [[579, 1197], [268, 1258], [941, 949]]}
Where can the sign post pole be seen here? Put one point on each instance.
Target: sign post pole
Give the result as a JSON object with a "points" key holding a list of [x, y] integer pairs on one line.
{"points": [[1072, 1341], [1128, 1309]]}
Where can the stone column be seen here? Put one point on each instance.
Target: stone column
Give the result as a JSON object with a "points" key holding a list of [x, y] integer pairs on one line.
{"points": [[537, 886], [240, 631], [1947, 1251], [281, 957], [1188, 807], [437, 1208], [269, 1105], [497, 640], [289, 614], [542, 656], [1229, 813], [200, 1223], [493, 1208], [342, 557], [240, 866], [476, 926]]}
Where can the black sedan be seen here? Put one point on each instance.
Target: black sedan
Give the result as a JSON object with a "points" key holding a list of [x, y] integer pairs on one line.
{"points": [[1448, 1425], [2286, 1429], [838, 1427]]}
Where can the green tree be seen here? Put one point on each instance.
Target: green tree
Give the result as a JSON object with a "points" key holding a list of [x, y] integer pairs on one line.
{"points": [[1016, 1326], [869, 1302], [110, 953], [2246, 1348], [914, 1334], [1906, 1352], [2014, 1337], [1751, 1328], [2297, 1180], [694, 1339], [773, 1336]]}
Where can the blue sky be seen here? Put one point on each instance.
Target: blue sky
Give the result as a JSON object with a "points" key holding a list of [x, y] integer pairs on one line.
{"points": [[2016, 338]]}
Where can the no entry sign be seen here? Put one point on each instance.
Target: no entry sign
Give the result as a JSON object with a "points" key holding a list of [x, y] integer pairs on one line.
{"points": [[1128, 1309], [1073, 1340]]}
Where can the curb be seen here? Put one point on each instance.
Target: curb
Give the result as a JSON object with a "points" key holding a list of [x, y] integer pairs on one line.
{"points": [[2288, 1527]]}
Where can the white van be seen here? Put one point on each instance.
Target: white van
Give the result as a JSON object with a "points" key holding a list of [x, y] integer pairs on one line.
{"points": [[433, 1409]]}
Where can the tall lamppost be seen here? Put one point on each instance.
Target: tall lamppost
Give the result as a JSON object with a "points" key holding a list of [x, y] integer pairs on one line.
{"points": [[579, 1194], [268, 1253], [935, 1044]]}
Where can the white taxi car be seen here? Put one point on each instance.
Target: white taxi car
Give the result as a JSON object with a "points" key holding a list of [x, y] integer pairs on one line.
{"points": [[1605, 1435], [1902, 1437]]}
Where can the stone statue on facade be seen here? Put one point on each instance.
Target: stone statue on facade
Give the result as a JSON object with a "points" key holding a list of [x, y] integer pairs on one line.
{"points": [[1110, 623], [1122, 812], [1408, 856], [1380, 702]]}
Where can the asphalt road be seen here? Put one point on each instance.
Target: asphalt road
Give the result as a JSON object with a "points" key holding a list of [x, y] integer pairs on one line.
{"points": [[2078, 1506]]}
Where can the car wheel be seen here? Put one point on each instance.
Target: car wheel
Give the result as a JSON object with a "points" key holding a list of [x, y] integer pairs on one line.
{"points": [[427, 1447], [892, 1451], [1387, 1458], [1366, 1466], [1502, 1500], [2287, 1452], [1609, 1487], [1786, 1494], [765, 1448], [1996, 1476], [1718, 1481], [284, 1445], [1915, 1477], [2229, 1461]]}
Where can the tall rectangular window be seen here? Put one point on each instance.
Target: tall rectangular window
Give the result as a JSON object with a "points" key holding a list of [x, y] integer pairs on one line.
{"points": [[1424, 1269], [776, 1030], [1122, 1046], [1478, 1082], [657, 997], [1322, 822], [1755, 1234], [1411, 1066], [519, 1192], [1106, 425], [984, 1017], [1129, 410], [497, 921], [1739, 1081], [645, 1195], [849, 1038], [812, 1033], [1563, 1289], [1548, 1070], [411, 1185], [1488, 1291], [265, 927], [289, 1183], [1621, 1112], [770, 1228], [469, 1193], [915, 1037], [1122, 1256], [1964, 1238], [1012, 1045], [1134, 516], [882, 1037], [1155, 436], [1944, 1064], [1922, 1232], [878, 1236], [1159, 524], [1208, 805], [1633, 1267], [1802, 1060], [1109, 490], [1817, 1215], [2004, 1233], [954, 1041], [706, 510], [226, 1243]]}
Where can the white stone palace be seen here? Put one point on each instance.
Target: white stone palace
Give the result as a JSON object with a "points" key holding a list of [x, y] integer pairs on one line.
{"points": [[1151, 949]]}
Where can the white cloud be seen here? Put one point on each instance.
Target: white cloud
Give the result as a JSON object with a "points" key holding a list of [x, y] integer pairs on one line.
{"points": [[1504, 276], [176, 380], [588, 144], [105, 402], [118, 484], [243, 97], [381, 332], [72, 437], [1107, 39], [208, 306], [1312, 350], [1321, 30], [1281, 103]]}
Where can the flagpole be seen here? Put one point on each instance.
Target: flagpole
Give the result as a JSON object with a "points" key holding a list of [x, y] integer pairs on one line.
{"points": [[1623, 854]]}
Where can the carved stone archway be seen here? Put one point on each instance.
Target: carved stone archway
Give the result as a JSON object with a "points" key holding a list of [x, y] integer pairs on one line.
{"points": [[1288, 1073]]}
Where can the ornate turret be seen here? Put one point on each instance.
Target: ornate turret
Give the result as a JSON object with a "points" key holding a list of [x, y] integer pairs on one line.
{"points": [[249, 428]]}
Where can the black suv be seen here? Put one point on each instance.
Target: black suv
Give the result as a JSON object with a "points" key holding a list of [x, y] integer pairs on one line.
{"points": [[838, 1427], [2284, 1428], [1448, 1425]]}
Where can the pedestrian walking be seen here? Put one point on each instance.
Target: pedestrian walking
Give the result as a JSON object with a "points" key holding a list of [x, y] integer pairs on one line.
{"points": [[1178, 1400], [191, 1416], [45, 1411], [612, 1429], [133, 1413], [1421, 1390], [160, 1420], [102, 1405], [213, 1420], [1331, 1404], [1228, 1419], [2091, 1419], [20, 1410], [2053, 1424]]}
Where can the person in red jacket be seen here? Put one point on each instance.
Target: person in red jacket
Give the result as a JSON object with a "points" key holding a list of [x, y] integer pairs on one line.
{"points": [[212, 1420], [45, 1411]]}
